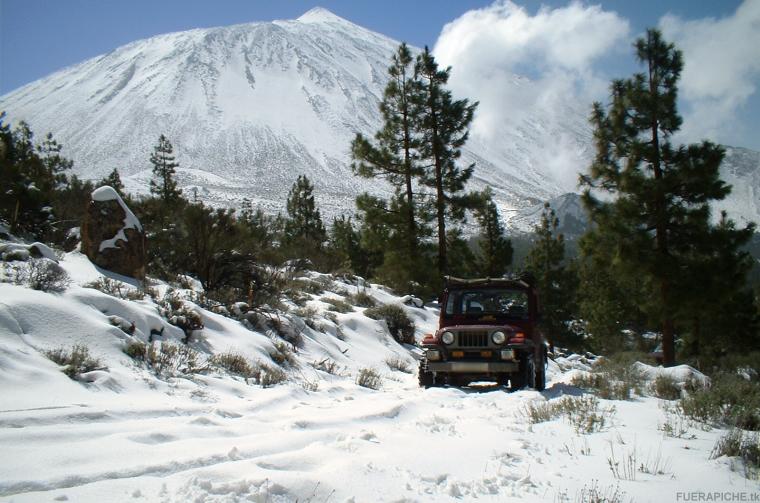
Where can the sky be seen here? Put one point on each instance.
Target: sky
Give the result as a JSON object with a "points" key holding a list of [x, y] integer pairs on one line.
{"points": [[571, 50]]}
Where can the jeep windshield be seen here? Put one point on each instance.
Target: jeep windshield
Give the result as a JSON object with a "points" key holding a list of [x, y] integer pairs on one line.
{"points": [[488, 301]]}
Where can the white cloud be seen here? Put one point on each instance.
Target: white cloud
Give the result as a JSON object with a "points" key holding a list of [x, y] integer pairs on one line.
{"points": [[721, 69], [558, 48]]}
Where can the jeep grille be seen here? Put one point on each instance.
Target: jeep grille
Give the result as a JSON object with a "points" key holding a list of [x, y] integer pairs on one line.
{"points": [[473, 339]]}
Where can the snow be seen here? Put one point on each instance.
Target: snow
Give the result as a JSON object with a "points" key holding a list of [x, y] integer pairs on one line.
{"points": [[106, 193], [123, 434]]}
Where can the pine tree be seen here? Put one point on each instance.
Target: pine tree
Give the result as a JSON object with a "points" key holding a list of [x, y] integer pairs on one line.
{"points": [[113, 180], [305, 233], [443, 125], [717, 309], [545, 262], [609, 301], [662, 193], [163, 185], [30, 178], [495, 249], [393, 156], [345, 245]]}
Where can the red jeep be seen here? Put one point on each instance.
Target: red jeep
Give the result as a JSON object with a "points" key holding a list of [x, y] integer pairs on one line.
{"points": [[487, 331]]}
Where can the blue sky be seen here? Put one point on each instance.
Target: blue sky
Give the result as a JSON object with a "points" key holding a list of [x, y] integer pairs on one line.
{"points": [[38, 37]]}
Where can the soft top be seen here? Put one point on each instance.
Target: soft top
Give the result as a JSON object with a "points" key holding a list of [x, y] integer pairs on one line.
{"points": [[454, 283]]}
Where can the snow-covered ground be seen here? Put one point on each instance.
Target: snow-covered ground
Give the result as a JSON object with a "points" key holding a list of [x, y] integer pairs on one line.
{"points": [[123, 434]]}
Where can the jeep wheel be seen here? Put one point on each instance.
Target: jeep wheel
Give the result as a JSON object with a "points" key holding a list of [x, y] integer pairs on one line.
{"points": [[540, 383], [426, 378], [526, 376]]}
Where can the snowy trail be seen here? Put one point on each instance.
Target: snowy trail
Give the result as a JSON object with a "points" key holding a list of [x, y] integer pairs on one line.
{"points": [[125, 434], [343, 442]]}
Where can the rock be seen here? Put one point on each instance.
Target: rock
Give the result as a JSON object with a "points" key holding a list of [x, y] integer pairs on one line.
{"points": [[112, 237], [412, 301]]}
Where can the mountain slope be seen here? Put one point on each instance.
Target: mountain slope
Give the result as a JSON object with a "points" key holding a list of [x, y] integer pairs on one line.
{"points": [[250, 107]]}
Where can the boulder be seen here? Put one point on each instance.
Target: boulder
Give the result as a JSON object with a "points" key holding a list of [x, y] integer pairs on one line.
{"points": [[112, 236]]}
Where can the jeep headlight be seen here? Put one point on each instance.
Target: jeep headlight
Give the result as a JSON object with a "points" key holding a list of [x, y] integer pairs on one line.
{"points": [[499, 337], [447, 338]]}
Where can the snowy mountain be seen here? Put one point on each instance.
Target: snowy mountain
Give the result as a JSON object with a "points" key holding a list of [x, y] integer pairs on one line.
{"points": [[568, 208], [250, 107]]}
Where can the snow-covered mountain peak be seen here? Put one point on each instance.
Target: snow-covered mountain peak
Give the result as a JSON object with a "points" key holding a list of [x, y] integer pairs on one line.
{"points": [[250, 107], [320, 15]]}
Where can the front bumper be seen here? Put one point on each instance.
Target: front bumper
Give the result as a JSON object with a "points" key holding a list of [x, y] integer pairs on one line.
{"points": [[473, 367]]}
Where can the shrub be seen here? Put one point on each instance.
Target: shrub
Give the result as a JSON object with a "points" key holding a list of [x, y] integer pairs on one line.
{"points": [[369, 378], [613, 378], [362, 299], [665, 387], [583, 412], [736, 443], [676, 424], [337, 305], [271, 376], [75, 361], [135, 350], [631, 463], [268, 284], [395, 362], [596, 494], [165, 358], [399, 324], [44, 275], [282, 353], [314, 287], [731, 400], [236, 364], [180, 314], [308, 315], [118, 289], [327, 365]]}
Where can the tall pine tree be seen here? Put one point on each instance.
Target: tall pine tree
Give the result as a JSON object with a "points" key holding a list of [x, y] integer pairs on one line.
{"points": [[495, 249], [443, 124], [305, 232], [661, 192], [393, 156], [163, 185], [113, 180], [545, 262]]}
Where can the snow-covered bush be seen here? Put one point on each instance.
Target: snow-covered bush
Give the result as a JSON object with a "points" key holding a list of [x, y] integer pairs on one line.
{"points": [[118, 289], [282, 354], [236, 364], [395, 362], [337, 305], [167, 359], [665, 387], [615, 378], [75, 361], [271, 376], [180, 314], [327, 365], [369, 378], [731, 400], [745, 446], [43, 274], [308, 315], [362, 299], [399, 324], [584, 412]]}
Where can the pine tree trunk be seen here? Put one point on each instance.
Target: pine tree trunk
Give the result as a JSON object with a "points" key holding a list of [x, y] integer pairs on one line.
{"points": [[668, 332], [441, 211], [661, 227], [411, 224]]}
